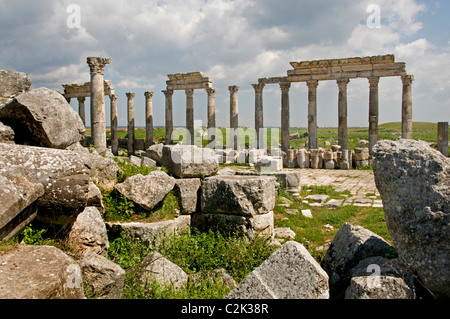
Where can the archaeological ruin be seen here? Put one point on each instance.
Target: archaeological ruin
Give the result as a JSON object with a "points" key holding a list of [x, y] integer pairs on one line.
{"points": [[51, 179]]}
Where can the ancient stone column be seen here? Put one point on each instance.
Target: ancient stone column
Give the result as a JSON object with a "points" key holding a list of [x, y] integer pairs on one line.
{"points": [[234, 116], [443, 138], [169, 116], [82, 109], [342, 112], [98, 121], [114, 125], [190, 115], [407, 124], [259, 114], [148, 119], [211, 116], [285, 116], [312, 113], [131, 149], [373, 112]]}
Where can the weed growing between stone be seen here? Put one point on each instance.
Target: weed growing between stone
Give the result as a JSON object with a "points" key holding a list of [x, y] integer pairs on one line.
{"points": [[194, 252]]}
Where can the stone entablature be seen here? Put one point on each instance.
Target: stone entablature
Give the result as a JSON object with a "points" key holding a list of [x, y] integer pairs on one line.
{"points": [[350, 68], [185, 81], [84, 90], [189, 82]]}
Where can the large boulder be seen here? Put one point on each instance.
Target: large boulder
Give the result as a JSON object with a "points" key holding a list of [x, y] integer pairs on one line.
{"points": [[350, 245], [289, 273], [64, 175], [13, 83], [18, 197], [39, 272], [238, 195], [414, 184], [189, 161], [147, 191], [42, 117]]}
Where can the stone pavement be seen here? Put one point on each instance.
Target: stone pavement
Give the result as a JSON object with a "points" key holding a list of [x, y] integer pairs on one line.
{"points": [[359, 183]]}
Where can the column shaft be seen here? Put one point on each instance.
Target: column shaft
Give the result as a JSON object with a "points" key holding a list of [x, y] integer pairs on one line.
{"points": [[312, 113], [148, 119], [190, 115], [234, 116], [169, 116], [259, 114], [342, 111], [114, 125], [98, 121], [131, 126], [407, 124], [373, 112], [443, 138], [211, 116], [285, 116], [82, 109]]}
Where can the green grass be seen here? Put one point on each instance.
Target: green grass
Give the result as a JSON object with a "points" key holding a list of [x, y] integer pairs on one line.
{"points": [[312, 233], [194, 252], [388, 131]]}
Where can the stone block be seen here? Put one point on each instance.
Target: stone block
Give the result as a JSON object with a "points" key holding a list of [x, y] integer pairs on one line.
{"points": [[269, 164], [13, 83], [88, 233], [303, 160], [6, 134], [350, 245], [39, 272], [238, 195], [156, 267], [187, 161], [147, 191], [316, 157], [149, 233], [330, 164], [42, 117], [18, 196], [361, 154], [187, 192], [289, 273], [104, 278], [289, 180]]}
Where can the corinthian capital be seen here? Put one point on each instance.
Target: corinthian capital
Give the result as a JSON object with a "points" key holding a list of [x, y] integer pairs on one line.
{"points": [[233, 89], [407, 79], [259, 87], [148, 95], [97, 64]]}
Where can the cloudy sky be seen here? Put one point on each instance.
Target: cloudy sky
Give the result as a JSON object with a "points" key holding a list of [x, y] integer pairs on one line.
{"points": [[235, 42]]}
